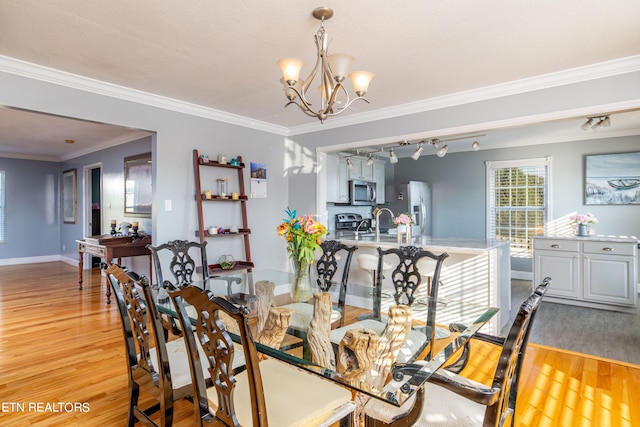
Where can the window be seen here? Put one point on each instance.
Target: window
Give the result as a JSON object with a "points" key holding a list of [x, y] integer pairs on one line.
{"points": [[1, 206], [518, 201]]}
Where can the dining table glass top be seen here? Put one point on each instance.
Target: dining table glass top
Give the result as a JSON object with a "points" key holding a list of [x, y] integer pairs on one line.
{"points": [[456, 322]]}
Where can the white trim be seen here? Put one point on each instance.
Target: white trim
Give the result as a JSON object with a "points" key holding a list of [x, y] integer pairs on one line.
{"points": [[611, 68], [521, 275], [62, 78], [605, 69], [36, 260]]}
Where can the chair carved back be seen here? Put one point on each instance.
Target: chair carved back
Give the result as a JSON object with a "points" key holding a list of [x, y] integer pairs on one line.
{"points": [[181, 265], [406, 277], [211, 333], [134, 313], [507, 374], [327, 266]]}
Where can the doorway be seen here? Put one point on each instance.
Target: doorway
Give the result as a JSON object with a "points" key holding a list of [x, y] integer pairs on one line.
{"points": [[92, 206]]}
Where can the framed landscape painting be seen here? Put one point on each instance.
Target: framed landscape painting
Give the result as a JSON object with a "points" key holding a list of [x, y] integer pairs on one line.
{"points": [[612, 179]]}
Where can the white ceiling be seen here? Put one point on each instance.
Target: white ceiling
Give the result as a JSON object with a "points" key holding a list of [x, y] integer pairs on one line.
{"points": [[222, 54]]}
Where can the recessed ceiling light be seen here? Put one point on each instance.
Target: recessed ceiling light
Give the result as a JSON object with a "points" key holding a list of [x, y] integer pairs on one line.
{"points": [[69, 141]]}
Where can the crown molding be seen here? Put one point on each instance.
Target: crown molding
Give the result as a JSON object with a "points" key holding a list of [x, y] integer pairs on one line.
{"points": [[575, 75], [63, 78]]}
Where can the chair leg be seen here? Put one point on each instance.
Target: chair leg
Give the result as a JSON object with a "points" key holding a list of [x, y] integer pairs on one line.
{"points": [[134, 393]]}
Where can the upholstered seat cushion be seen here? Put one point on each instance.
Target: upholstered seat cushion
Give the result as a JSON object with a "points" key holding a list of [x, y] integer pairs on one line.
{"points": [[302, 314], [442, 408], [293, 397], [179, 365]]}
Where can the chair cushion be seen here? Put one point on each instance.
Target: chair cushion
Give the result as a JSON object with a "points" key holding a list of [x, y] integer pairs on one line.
{"points": [[442, 408], [303, 313], [179, 365], [293, 397]]}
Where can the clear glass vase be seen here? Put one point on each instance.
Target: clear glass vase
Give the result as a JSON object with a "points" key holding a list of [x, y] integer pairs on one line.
{"points": [[301, 284]]}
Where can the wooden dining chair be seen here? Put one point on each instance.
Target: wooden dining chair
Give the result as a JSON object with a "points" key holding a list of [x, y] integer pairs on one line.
{"points": [[266, 393], [154, 365], [182, 258], [326, 267], [452, 399], [406, 279], [185, 261]]}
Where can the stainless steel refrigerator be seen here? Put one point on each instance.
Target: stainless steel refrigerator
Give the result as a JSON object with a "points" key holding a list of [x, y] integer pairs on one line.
{"points": [[413, 197]]}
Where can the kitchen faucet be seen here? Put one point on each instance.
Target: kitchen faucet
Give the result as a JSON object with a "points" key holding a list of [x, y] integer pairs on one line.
{"points": [[377, 212], [365, 221]]}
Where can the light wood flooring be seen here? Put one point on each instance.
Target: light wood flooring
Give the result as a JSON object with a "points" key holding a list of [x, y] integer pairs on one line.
{"points": [[61, 347]]}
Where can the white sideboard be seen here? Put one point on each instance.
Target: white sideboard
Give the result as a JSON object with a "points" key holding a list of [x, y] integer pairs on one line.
{"points": [[598, 271]]}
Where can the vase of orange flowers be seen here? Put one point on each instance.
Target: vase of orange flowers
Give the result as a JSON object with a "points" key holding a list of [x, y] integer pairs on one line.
{"points": [[303, 235]]}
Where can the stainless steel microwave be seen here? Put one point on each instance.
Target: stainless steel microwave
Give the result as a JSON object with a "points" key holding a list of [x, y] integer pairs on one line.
{"points": [[362, 192]]}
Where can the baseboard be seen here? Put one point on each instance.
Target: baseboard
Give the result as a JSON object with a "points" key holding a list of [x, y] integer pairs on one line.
{"points": [[32, 260], [521, 275]]}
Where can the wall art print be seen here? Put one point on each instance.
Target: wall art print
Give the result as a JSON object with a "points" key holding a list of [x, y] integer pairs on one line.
{"points": [[612, 179]]}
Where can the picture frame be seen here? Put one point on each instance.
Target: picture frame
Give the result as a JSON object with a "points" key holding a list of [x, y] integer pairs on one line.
{"points": [[138, 185], [612, 179], [69, 196]]}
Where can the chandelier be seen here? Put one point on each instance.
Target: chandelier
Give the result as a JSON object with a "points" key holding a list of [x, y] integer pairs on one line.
{"points": [[331, 71]]}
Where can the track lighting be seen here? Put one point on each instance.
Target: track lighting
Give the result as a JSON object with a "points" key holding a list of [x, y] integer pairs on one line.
{"points": [[600, 121], [416, 154], [370, 160], [392, 157], [475, 146], [442, 150], [349, 164]]}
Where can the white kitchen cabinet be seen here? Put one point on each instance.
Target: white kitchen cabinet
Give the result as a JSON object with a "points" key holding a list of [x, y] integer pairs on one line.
{"points": [[337, 179], [378, 178], [608, 272], [598, 272], [361, 170]]}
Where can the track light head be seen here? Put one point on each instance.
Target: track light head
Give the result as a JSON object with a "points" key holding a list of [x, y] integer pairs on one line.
{"points": [[475, 146], [392, 157], [586, 125], [416, 154], [370, 160], [442, 150], [349, 164]]}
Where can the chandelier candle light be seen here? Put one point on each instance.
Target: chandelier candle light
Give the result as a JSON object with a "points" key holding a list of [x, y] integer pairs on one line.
{"points": [[331, 71]]}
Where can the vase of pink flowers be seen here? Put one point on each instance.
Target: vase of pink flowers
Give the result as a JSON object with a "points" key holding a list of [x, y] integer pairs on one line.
{"points": [[404, 221], [583, 222]]}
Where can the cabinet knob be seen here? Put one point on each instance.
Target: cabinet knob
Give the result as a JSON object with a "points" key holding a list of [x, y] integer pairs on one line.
{"points": [[607, 249], [555, 246]]}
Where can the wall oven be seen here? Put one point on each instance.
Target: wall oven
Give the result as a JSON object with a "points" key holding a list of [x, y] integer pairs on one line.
{"points": [[362, 192]]}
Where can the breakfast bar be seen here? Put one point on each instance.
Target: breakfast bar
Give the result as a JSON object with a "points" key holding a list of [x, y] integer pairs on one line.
{"points": [[477, 271]]}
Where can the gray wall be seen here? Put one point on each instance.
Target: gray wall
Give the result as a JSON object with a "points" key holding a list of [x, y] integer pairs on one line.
{"points": [[112, 160], [459, 187], [177, 134], [290, 162], [32, 213]]}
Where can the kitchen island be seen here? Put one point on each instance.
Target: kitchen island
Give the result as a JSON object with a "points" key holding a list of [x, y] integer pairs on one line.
{"points": [[476, 271]]}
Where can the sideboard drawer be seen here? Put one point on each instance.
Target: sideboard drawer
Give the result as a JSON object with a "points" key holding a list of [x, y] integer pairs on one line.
{"points": [[556, 245], [609, 248]]}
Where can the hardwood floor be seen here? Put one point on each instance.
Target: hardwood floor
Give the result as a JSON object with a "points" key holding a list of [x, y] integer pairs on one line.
{"points": [[62, 363]]}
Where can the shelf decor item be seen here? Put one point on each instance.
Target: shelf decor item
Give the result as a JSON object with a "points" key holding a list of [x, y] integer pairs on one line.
{"points": [[583, 223], [303, 236]]}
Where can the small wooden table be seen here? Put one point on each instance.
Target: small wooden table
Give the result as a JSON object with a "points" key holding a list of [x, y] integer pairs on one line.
{"points": [[109, 247]]}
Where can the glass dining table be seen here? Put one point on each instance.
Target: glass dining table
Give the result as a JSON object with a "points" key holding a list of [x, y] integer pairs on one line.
{"points": [[456, 321]]}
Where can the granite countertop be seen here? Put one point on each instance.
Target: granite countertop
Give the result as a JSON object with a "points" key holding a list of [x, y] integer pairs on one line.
{"points": [[440, 244], [599, 238]]}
